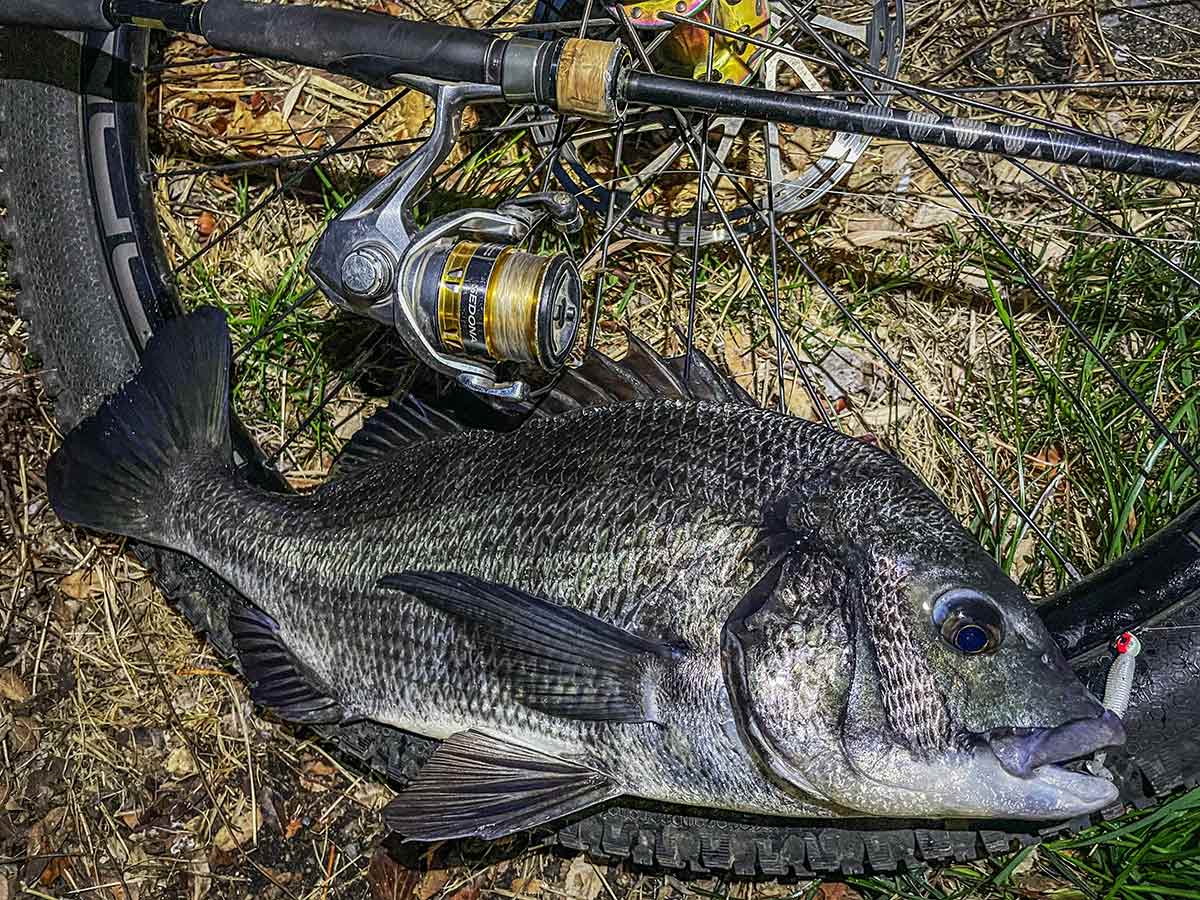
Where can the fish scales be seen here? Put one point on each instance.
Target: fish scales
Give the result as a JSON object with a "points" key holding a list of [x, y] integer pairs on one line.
{"points": [[475, 503]]}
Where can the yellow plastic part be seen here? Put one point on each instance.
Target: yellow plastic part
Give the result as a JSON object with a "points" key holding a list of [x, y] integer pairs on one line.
{"points": [[688, 45]]}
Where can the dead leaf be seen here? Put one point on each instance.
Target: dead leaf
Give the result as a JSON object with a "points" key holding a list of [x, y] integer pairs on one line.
{"points": [[432, 883], [414, 109], [206, 223], [1039, 884], [887, 414], [12, 688], [388, 879], [201, 882], [527, 887], [583, 880], [81, 584], [735, 352], [316, 775], [240, 830], [179, 763], [23, 734], [292, 828], [796, 399], [835, 890], [293, 95], [54, 870], [934, 211], [897, 158], [41, 842], [1046, 458], [871, 231]]}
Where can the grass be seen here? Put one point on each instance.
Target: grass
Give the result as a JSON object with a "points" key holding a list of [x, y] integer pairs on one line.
{"points": [[161, 763]]}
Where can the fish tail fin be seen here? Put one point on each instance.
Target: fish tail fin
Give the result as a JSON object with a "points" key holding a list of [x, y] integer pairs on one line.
{"points": [[114, 471]]}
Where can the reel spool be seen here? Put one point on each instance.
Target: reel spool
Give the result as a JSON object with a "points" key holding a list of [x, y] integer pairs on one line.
{"points": [[491, 301]]}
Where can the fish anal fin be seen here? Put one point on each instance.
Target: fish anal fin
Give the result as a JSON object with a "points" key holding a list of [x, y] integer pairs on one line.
{"points": [[556, 659], [477, 785], [278, 679]]}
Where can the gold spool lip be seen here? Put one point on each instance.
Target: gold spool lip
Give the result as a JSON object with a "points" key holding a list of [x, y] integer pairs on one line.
{"points": [[454, 272]]}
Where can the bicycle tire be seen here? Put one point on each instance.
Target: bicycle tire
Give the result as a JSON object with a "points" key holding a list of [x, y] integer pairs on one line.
{"points": [[68, 178]]}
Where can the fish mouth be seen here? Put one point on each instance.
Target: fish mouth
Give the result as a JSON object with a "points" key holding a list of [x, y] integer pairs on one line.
{"points": [[1028, 752]]}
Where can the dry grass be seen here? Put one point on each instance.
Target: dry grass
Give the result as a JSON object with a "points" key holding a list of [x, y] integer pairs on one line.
{"points": [[133, 764]]}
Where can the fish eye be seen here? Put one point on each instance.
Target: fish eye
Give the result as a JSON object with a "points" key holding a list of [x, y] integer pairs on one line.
{"points": [[968, 621]]}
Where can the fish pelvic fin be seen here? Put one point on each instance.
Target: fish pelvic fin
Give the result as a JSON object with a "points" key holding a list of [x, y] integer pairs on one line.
{"points": [[476, 785], [114, 470], [555, 659]]}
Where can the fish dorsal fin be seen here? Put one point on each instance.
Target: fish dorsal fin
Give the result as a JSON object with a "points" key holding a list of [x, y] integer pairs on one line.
{"points": [[599, 381], [403, 422], [476, 785], [278, 679], [555, 659], [642, 373]]}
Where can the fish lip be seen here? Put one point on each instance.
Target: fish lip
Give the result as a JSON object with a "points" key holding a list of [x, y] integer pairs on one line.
{"points": [[1021, 751]]}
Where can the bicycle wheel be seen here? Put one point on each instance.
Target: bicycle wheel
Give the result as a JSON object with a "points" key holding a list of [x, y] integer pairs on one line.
{"points": [[79, 175]]}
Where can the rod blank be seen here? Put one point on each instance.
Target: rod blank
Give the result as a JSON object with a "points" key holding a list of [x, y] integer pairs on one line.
{"points": [[1088, 152]]}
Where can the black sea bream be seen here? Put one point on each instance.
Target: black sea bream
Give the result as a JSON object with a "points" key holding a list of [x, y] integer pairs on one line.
{"points": [[690, 600]]}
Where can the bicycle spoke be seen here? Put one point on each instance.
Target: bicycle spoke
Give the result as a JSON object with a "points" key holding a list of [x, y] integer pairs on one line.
{"points": [[1034, 283], [276, 162], [329, 395], [609, 228], [1043, 293], [855, 66], [780, 336], [690, 138], [701, 192], [558, 141], [274, 322], [1104, 220]]}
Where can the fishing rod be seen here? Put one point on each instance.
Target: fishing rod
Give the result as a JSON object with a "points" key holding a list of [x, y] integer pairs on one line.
{"points": [[592, 79]]}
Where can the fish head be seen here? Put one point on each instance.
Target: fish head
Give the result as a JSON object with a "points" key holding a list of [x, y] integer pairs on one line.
{"points": [[890, 667]]}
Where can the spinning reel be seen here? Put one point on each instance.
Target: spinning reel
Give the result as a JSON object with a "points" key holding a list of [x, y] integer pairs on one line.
{"points": [[461, 293]]}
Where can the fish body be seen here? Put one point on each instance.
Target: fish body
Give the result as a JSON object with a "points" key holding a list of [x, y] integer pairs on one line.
{"points": [[690, 601]]}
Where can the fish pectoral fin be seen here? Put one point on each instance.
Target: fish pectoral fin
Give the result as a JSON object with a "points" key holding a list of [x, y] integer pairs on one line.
{"points": [[476, 785], [555, 659], [279, 680]]}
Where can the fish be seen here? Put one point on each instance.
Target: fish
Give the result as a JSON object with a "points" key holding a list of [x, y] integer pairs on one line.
{"points": [[650, 587]]}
